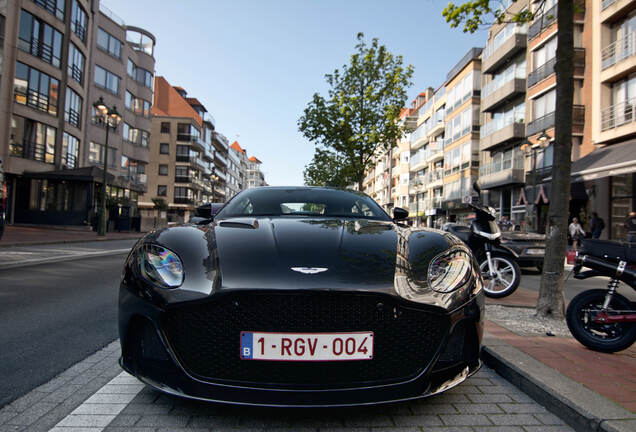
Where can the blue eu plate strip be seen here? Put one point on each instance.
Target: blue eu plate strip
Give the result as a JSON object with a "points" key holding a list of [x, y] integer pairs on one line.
{"points": [[246, 345]]}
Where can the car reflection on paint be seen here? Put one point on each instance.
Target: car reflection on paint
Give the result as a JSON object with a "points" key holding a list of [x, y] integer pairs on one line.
{"points": [[299, 296]]}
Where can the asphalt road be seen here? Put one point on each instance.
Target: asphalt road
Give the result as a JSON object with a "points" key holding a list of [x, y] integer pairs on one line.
{"points": [[52, 316]]}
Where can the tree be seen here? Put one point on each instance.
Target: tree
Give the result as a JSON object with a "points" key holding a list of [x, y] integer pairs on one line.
{"points": [[474, 14], [358, 117]]}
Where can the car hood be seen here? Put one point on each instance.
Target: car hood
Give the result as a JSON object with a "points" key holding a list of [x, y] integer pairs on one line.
{"points": [[305, 253]]}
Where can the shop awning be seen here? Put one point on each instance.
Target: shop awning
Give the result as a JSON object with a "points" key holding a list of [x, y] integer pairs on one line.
{"points": [[606, 162]]}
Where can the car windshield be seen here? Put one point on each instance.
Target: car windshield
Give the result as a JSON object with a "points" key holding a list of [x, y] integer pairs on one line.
{"points": [[303, 202]]}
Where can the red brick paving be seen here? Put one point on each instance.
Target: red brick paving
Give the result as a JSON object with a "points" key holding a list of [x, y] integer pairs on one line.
{"points": [[24, 236], [611, 375], [521, 297]]}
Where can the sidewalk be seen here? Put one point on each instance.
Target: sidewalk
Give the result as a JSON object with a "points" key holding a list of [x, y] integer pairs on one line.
{"points": [[24, 236], [610, 377]]}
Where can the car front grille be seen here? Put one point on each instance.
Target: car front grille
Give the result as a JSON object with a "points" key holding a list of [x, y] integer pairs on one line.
{"points": [[205, 337]]}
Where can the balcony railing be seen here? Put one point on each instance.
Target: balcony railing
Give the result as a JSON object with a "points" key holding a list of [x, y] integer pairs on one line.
{"points": [[501, 80], [417, 158], [183, 200], [542, 72], [434, 149], [618, 51], [220, 157], [500, 123], [186, 138], [618, 114], [433, 176], [510, 30], [543, 21], [540, 124]]}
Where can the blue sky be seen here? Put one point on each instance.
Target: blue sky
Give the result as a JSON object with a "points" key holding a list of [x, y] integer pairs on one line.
{"points": [[255, 64]]}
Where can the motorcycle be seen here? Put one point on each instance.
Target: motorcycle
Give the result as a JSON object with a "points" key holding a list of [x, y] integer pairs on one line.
{"points": [[604, 320], [497, 263]]}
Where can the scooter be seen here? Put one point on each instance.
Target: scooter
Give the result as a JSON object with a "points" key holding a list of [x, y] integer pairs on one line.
{"points": [[604, 320], [497, 263]]}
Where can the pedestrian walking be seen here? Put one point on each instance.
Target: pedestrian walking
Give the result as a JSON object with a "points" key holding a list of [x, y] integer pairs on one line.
{"points": [[576, 233], [630, 227], [597, 225]]}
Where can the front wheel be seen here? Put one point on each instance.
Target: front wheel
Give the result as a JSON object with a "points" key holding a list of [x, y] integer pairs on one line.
{"points": [[506, 278], [598, 336]]}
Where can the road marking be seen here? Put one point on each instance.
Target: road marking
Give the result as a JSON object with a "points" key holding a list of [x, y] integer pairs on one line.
{"points": [[62, 257], [96, 413]]}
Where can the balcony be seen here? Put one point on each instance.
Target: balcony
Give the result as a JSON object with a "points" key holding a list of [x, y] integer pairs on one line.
{"points": [[539, 125], [499, 50], [499, 93], [619, 114], [542, 72], [193, 140], [434, 178], [618, 51], [218, 156], [542, 22], [437, 127], [501, 131], [612, 10], [418, 161], [434, 152], [418, 137], [501, 173], [547, 121]]}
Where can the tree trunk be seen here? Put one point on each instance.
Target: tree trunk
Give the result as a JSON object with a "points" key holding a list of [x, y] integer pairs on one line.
{"points": [[550, 302]]}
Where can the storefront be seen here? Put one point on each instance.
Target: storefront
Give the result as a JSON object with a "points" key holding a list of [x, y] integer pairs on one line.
{"points": [[71, 198]]}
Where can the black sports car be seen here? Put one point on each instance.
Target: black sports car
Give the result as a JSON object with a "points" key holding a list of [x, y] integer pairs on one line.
{"points": [[298, 296]]}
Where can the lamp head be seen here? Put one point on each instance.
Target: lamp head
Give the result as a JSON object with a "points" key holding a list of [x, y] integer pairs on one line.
{"points": [[113, 117], [100, 107], [544, 137]]}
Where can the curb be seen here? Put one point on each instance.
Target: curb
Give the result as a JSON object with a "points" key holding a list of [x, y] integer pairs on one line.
{"points": [[578, 406], [74, 257], [40, 243]]}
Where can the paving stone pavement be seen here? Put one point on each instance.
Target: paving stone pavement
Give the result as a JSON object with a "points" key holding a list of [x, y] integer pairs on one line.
{"points": [[485, 403]]}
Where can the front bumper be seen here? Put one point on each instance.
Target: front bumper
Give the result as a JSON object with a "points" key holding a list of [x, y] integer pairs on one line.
{"points": [[157, 354]]}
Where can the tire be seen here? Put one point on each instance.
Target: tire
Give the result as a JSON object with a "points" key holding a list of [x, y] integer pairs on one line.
{"points": [[607, 338], [507, 279]]}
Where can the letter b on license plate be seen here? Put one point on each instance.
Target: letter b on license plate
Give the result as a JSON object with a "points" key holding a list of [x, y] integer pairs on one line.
{"points": [[306, 346]]}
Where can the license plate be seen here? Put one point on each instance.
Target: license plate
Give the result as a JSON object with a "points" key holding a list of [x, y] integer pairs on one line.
{"points": [[306, 346], [535, 251]]}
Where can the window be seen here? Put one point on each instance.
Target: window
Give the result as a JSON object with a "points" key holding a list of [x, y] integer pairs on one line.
{"points": [[109, 43], [141, 75], [163, 170], [73, 108], [70, 150], [39, 39], [96, 154], [544, 54], [36, 89], [162, 190], [76, 62], [32, 140], [183, 193], [164, 148], [137, 105], [56, 7], [165, 127], [79, 20], [544, 105], [107, 80], [181, 173]]}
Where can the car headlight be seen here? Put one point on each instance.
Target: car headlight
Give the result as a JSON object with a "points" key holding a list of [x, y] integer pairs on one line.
{"points": [[160, 266], [450, 270]]}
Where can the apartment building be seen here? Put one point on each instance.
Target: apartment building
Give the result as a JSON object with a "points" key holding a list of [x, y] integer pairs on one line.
{"points": [[606, 176], [234, 174], [461, 134], [255, 176], [50, 147], [220, 167], [240, 154], [181, 154]]}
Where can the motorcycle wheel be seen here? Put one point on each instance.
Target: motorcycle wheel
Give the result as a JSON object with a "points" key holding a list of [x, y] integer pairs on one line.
{"points": [[506, 281], [607, 338]]}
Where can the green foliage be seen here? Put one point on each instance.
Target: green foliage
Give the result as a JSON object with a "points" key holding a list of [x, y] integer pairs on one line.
{"points": [[359, 115], [479, 13], [160, 204]]}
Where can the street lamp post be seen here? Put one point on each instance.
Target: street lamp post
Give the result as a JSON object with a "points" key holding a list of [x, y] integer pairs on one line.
{"points": [[109, 118], [530, 149]]}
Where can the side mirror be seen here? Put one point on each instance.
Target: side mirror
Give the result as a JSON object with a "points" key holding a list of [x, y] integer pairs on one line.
{"points": [[205, 213], [400, 214]]}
